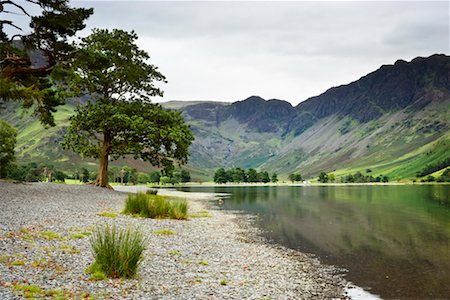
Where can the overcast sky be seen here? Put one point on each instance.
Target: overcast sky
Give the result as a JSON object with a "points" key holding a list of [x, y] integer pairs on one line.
{"points": [[228, 51]]}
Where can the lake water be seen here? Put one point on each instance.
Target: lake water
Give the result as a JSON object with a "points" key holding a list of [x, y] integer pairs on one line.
{"points": [[394, 240]]}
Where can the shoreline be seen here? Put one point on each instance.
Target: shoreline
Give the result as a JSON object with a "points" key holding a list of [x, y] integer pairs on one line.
{"points": [[313, 184], [220, 256]]}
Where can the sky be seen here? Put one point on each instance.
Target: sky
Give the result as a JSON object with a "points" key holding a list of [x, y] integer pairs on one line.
{"points": [[228, 51]]}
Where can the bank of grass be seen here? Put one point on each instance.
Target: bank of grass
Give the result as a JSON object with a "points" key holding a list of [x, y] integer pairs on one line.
{"points": [[155, 206], [117, 252]]}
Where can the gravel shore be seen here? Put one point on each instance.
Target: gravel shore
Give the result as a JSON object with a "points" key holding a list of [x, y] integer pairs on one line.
{"points": [[44, 241]]}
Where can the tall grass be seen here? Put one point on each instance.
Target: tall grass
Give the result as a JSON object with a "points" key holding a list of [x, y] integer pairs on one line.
{"points": [[117, 252], [154, 206]]}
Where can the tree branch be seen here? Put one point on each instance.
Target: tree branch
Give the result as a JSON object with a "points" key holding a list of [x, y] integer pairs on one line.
{"points": [[16, 5]]}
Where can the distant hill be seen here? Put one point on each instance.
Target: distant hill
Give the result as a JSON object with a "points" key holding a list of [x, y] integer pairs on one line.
{"points": [[393, 121]]}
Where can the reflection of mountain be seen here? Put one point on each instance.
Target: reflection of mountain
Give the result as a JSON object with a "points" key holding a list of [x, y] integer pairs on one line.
{"points": [[374, 231], [393, 121]]}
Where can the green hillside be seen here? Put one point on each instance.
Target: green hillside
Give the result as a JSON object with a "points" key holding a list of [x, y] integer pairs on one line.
{"points": [[392, 128]]}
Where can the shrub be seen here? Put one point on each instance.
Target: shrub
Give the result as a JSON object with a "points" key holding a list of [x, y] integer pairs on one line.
{"points": [[153, 206], [117, 252], [152, 192]]}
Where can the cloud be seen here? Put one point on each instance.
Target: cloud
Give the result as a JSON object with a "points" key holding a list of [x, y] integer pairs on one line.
{"points": [[227, 51]]}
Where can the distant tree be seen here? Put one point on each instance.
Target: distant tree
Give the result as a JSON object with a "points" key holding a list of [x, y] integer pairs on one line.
{"points": [[331, 177], [264, 177], [122, 121], [154, 176], [252, 175], [143, 178], [59, 176], [8, 137], [274, 178], [238, 175], [220, 176], [52, 23], [84, 175], [185, 176], [323, 177], [298, 177], [165, 180], [385, 179], [292, 177]]}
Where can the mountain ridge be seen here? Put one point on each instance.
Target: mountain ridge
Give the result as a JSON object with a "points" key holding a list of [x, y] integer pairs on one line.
{"points": [[386, 121]]}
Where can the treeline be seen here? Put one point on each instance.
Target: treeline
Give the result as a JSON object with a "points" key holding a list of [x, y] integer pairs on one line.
{"points": [[358, 177], [237, 175], [433, 168], [445, 177], [34, 172]]}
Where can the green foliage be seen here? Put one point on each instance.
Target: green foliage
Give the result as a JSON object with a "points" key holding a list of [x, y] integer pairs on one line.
{"points": [[240, 175], [434, 167], [348, 125], [117, 252], [445, 177], [274, 178], [154, 177], [358, 177], [85, 175], [122, 121], [164, 232], [252, 175], [220, 176], [323, 177], [295, 177], [154, 206], [8, 137], [151, 192], [51, 26]]}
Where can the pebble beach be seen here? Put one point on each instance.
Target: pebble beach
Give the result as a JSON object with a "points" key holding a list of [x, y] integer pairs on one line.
{"points": [[44, 243]]}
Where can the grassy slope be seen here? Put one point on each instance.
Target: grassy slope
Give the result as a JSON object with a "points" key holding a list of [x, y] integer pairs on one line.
{"points": [[393, 145]]}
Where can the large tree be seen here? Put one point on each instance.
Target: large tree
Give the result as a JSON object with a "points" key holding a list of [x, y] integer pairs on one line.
{"points": [[7, 144], [32, 59], [119, 119]]}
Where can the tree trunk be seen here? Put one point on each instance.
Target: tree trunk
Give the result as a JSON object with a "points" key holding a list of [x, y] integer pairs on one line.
{"points": [[102, 177]]}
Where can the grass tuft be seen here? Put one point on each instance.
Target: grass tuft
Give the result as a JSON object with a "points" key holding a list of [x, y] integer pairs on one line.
{"points": [[223, 282], [164, 232], [154, 206], [77, 236], [117, 252], [107, 214]]}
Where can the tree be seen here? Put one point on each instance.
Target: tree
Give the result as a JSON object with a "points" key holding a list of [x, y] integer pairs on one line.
{"points": [[154, 177], [298, 177], [331, 177], [220, 176], [252, 175], [292, 177], [274, 177], [264, 177], [84, 175], [323, 177], [52, 26], [8, 136], [122, 121], [59, 176], [185, 176]]}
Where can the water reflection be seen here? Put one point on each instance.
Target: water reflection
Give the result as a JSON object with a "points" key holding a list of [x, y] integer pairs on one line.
{"points": [[393, 239]]}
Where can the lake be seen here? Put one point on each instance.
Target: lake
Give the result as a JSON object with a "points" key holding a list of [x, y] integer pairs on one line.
{"points": [[394, 240]]}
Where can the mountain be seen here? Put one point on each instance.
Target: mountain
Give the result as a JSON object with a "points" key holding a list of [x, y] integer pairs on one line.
{"points": [[393, 121]]}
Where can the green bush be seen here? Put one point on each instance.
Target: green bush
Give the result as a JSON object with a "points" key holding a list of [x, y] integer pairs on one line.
{"points": [[117, 252], [154, 206]]}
